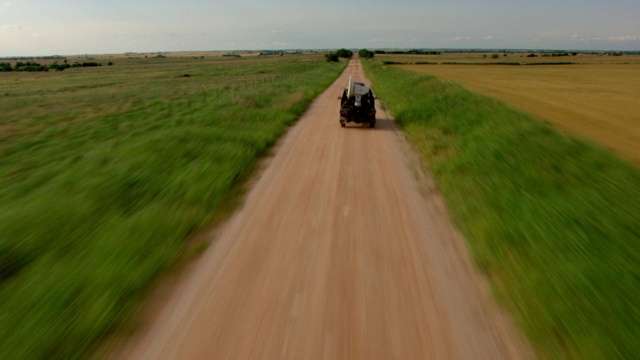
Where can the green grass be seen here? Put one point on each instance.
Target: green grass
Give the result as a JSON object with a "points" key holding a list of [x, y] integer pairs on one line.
{"points": [[105, 172], [552, 220]]}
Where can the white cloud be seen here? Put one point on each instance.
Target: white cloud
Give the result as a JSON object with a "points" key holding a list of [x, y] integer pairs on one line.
{"points": [[490, 37], [624, 38], [377, 41], [584, 38], [11, 27]]}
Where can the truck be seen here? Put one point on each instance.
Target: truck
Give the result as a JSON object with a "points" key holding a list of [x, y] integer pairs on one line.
{"points": [[357, 104]]}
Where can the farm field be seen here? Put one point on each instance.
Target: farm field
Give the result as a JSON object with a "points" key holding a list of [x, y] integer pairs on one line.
{"points": [[595, 99], [552, 220], [513, 58], [335, 254], [105, 172]]}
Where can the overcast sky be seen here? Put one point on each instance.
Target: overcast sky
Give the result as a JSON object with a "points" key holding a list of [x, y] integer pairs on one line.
{"points": [[68, 27]]}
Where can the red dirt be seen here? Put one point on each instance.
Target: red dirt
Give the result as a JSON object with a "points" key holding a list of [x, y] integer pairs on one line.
{"points": [[342, 250]]}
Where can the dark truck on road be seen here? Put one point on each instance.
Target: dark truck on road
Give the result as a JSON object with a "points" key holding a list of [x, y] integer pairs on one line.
{"points": [[357, 104]]}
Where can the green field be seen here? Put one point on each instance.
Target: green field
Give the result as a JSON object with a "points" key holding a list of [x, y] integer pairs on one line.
{"points": [[590, 100], [553, 221], [105, 172]]}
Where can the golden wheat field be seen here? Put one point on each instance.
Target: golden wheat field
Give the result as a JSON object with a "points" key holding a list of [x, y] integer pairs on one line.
{"points": [[597, 98]]}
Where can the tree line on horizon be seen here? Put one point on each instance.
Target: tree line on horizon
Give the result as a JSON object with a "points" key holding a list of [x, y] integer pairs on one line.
{"points": [[32, 66], [348, 54]]}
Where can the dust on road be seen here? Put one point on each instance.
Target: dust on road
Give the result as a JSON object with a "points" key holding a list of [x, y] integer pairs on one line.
{"points": [[342, 250]]}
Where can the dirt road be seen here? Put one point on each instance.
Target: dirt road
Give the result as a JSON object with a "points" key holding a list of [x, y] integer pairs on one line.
{"points": [[342, 250]]}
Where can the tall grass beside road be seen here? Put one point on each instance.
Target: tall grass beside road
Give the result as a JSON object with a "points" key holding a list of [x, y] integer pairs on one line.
{"points": [[105, 172], [553, 221]]}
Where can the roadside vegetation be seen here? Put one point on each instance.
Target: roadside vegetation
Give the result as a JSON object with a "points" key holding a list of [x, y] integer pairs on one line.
{"points": [[553, 221], [366, 54], [104, 175], [341, 53], [594, 100]]}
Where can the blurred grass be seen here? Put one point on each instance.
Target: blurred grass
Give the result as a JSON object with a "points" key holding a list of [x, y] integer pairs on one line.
{"points": [[105, 172], [553, 221]]}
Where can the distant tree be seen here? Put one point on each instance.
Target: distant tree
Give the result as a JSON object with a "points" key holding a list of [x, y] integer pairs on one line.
{"points": [[332, 57], [59, 67], [5, 67], [366, 54], [30, 66], [484, 56], [344, 53], [495, 56]]}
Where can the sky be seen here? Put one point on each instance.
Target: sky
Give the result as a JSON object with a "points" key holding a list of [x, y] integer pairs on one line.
{"points": [[70, 27]]}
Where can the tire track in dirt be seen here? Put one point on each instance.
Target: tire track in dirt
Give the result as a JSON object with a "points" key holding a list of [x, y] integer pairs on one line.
{"points": [[342, 250]]}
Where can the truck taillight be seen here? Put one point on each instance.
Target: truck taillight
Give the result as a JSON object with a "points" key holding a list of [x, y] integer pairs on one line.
{"points": [[343, 113]]}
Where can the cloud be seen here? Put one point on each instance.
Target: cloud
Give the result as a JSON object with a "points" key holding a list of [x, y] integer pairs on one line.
{"points": [[276, 31], [584, 38], [604, 38], [377, 41], [624, 38], [11, 27], [490, 37]]}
